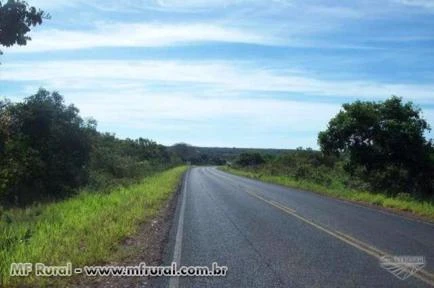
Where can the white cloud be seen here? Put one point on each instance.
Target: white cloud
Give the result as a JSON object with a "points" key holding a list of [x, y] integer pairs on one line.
{"points": [[138, 35], [335, 11], [178, 5], [418, 3], [135, 6], [264, 25], [211, 122], [227, 76], [208, 4], [53, 4], [140, 109]]}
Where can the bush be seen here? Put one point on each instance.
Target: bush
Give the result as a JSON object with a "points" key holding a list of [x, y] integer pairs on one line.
{"points": [[115, 161], [250, 159], [47, 152], [385, 143], [46, 149]]}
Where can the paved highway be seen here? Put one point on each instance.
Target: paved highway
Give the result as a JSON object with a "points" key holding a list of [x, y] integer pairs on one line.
{"points": [[271, 236]]}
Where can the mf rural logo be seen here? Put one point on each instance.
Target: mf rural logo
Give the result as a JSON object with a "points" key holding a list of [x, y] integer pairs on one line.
{"points": [[403, 266]]}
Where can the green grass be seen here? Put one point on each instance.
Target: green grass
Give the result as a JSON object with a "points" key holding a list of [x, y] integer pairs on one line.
{"points": [[83, 230], [424, 209]]}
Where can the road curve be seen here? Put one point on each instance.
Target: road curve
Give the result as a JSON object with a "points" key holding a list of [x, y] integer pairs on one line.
{"points": [[271, 236]]}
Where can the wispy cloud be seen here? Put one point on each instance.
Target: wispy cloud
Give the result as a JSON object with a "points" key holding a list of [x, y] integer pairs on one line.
{"points": [[335, 12], [139, 35], [418, 3], [168, 5], [172, 117], [53, 4], [230, 76], [248, 21], [194, 5], [144, 107], [118, 35]]}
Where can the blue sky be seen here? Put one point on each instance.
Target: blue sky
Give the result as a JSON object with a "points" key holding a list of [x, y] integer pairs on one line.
{"points": [[233, 73]]}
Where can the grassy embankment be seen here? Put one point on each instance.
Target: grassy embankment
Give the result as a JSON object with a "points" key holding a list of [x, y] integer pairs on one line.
{"points": [[338, 190], [83, 230]]}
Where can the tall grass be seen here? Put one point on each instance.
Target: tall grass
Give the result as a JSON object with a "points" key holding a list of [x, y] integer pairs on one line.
{"points": [[402, 202], [82, 230]]}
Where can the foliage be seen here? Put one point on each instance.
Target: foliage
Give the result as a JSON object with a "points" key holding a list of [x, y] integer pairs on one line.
{"points": [[385, 144], [300, 164], [184, 151], [3, 120], [45, 150], [197, 155], [84, 229], [16, 19], [250, 159], [48, 152], [115, 161], [231, 154]]}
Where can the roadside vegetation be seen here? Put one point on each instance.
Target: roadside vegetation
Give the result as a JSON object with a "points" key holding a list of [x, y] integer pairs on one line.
{"points": [[372, 152], [82, 230], [216, 155], [48, 152], [69, 193]]}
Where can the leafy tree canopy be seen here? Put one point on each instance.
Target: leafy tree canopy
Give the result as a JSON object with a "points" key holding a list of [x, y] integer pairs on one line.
{"points": [[250, 159], [16, 19], [384, 140], [46, 147]]}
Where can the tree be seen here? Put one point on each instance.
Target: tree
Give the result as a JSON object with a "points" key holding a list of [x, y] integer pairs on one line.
{"points": [[250, 159], [384, 142], [185, 151], [46, 149], [16, 19]]}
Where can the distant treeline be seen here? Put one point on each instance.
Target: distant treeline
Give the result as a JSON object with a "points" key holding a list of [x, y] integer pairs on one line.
{"points": [[371, 146], [217, 155], [47, 152]]}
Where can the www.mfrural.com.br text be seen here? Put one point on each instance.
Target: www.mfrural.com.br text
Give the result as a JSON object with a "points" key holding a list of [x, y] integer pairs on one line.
{"points": [[140, 270]]}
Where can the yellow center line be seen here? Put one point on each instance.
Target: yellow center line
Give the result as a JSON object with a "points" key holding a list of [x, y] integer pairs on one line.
{"points": [[422, 275]]}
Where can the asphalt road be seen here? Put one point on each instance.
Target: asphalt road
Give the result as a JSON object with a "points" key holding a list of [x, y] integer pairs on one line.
{"points": [[271, 236]]}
